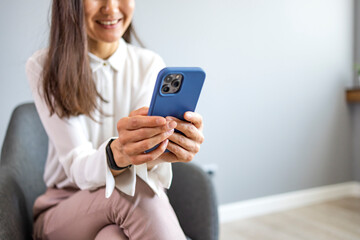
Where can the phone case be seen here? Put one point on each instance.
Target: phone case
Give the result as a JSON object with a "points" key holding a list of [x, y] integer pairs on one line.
{"points": [[176, 104], [184, 100]]}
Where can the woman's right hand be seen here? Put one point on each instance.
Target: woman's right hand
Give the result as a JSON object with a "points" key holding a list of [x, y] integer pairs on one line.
{"points": [[138, 133]]}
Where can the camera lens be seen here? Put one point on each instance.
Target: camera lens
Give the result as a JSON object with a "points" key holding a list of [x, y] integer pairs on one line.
{"points": [[178, 76], [165, 89], [168, 79], [175, 83]]}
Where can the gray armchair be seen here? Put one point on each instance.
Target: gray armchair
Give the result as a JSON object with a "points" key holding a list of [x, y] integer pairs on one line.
{"points": [[21, 181]]}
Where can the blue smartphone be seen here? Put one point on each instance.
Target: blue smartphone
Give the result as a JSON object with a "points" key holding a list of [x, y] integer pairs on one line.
{"points": [[177, 90]]}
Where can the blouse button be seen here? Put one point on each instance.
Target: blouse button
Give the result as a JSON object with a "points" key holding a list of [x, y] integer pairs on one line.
{"points": [[104, 64]]}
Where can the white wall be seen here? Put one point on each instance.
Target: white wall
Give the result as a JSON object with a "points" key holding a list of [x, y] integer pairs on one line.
{"points": [[24, 29], [273, 102], [275, 114]]}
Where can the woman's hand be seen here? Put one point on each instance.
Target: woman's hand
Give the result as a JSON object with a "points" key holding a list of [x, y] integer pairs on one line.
{"points": [[138, 133], [184, 148]]}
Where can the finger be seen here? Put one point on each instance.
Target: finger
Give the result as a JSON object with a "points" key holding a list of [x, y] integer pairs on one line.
{"points": [[181, 154], [188, 129], [136, 122], [147, 157], [168, 157], [184, 142], [141, 111], [144, 145], [194, 118], [144, 133]]}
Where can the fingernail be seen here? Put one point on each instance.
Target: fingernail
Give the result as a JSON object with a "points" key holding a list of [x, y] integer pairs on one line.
{"points": [[170, 132], [160, 121], [189, 115], [172, 124]]}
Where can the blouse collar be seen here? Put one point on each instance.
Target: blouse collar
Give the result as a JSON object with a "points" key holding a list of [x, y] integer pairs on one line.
{"points": [[115, 61]]}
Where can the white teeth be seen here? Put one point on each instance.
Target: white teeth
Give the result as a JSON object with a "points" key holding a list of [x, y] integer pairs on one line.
{"points": [[108, 22]]}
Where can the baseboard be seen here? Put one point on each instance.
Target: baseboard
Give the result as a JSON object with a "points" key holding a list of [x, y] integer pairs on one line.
{"points": [[281, 202]]}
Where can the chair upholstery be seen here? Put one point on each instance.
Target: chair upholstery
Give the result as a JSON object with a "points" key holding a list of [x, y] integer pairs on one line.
{"points": [[193, 198], [21, 181]]}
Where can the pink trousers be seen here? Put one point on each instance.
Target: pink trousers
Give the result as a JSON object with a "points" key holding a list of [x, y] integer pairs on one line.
{"points": [[82, 214]]}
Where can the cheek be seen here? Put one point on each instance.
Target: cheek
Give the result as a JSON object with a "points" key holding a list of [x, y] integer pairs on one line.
{"points": [[129, 7], [87, 19], [89, 25], [131, 4], [91, 8]]}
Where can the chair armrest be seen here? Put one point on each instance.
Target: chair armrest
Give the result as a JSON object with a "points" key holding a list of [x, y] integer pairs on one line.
{"points": [[193, 198], [14, 222]]}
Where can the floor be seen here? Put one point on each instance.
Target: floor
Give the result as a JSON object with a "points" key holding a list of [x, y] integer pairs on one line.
{"points": [[333, 220]]}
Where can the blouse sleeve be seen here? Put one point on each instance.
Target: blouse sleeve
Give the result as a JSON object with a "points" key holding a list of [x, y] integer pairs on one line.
{"points": [[83, 164]]}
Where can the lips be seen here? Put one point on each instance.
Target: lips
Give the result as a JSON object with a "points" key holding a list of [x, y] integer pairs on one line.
{"points": [[109, 24]]}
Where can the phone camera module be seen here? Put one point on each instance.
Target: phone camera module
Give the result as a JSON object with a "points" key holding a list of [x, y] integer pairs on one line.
{"points": [[168, 79], [165, 89], [175, 83], [172, 83]]}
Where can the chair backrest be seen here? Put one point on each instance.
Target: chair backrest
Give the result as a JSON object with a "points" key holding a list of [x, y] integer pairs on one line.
{"points": [[24, 154]]}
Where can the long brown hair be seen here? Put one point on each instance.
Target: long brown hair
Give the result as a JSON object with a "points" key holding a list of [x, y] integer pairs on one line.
{"points": [[67, 80]]}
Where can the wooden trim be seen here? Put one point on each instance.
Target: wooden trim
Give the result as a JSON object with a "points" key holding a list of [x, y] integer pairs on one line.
{"points": [[353, 95]]}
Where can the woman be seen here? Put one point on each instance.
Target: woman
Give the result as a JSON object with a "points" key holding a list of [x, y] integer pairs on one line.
{"points": [[90, 88]]}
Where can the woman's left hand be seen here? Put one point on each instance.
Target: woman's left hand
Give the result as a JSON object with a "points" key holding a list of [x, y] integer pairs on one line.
{"points": [[183, 148]]}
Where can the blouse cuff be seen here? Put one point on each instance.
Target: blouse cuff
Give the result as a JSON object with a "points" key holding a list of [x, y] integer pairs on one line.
{"points": [[110, 180], [125, 182], [159, 177], [163, 174]]}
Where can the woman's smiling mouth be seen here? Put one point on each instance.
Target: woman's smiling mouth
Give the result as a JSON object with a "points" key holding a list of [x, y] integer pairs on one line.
{"points": [[108, 23]]}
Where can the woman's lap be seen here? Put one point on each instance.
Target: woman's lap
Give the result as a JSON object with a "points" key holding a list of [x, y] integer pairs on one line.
{"points": [[85, 213]]}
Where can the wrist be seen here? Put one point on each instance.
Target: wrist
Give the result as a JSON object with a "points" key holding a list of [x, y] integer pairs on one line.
{"points": [[113, 157]]}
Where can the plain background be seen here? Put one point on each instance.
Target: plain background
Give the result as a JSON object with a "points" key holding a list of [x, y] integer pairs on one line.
{"points": [[274, 107]]}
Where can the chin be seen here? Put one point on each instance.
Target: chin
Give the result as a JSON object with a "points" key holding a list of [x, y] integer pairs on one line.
{"points": [[112, 38], [109, 40]]}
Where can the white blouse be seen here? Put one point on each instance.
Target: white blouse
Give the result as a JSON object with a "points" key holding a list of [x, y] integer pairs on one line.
{"points": [[76, 155]]}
